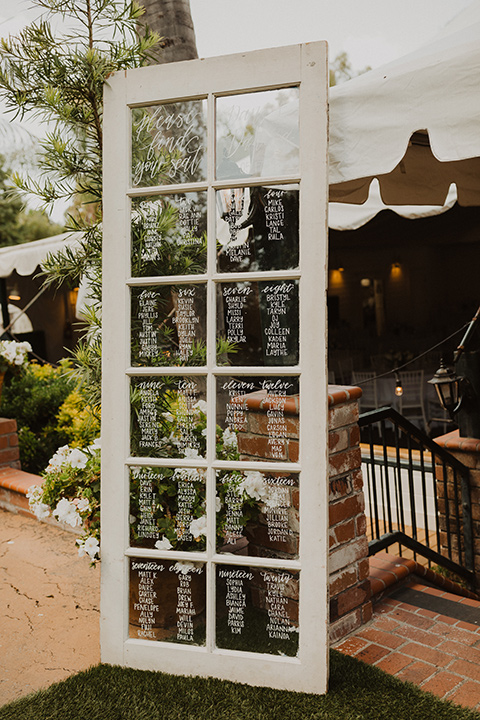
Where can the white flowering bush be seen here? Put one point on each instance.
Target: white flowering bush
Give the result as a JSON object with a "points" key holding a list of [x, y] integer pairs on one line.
{"points": [[70, 494], [13, 355]]}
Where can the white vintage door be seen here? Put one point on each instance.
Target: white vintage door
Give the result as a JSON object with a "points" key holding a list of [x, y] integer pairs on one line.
{"points": [[214, 415]]}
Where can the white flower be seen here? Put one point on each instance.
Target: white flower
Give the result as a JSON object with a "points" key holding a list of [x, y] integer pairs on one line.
{"points": [[198, 527], [254, 485], [41, 510], [191, 453], [204, 432], [168, 416], [60, 457], [34, 493], [201, 406], [89, 546], [163, 544], [95, 445], [66, 512], [13, 352], [82, 505], [77, 458], [229, 439], [218, 504]]}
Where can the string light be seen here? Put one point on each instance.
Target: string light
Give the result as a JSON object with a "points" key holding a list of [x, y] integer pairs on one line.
{"points": [[409, 362], [398, 385]]}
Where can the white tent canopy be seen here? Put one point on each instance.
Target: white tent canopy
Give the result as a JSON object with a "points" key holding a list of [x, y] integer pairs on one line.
{"points": [[432, 94], [27, 257]]}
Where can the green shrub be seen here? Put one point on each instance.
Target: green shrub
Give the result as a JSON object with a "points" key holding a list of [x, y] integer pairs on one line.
{"points": [[77, 421], [33, 398]]}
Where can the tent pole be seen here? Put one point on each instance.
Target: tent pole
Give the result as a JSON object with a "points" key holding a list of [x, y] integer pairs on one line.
{"points": [[4, 305]]}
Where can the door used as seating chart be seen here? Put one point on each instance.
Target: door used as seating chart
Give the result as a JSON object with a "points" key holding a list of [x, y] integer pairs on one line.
{"points": [[214, 301]]}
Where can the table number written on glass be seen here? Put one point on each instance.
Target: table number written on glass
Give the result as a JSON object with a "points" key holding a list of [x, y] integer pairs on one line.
{"points": [[169, 235], [261, 320], [168, 416], [257, 610], [148, 316], [235, 597], [167, 601], [259, 417], [277, 299], [258, 513], [168, 325], [235, 299], [167, 508]]}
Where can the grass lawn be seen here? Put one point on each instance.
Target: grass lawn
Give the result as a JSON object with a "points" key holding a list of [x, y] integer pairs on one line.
{"points": [[357, 692]]}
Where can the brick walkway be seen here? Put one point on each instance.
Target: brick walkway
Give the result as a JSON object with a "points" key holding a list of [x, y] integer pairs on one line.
{"points": [[425, 635]]}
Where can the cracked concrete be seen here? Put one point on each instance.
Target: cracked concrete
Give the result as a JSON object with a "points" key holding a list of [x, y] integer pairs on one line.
{"points": [[50, 600]]}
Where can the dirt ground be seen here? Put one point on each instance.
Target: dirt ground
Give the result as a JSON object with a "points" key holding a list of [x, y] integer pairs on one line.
{"points": [[50, 607]]}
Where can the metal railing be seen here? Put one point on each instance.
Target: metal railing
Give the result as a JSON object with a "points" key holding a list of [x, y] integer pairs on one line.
{"points": [[417, 494]]}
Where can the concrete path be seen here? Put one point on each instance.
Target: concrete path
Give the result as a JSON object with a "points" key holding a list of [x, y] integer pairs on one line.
{"points": [[50, 607]]}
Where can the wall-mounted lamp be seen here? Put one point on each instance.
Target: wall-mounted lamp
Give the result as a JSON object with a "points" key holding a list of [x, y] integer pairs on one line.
{"points": [[459, 394], [446, 383], [396, 270], [14, 294], [336, 276]]}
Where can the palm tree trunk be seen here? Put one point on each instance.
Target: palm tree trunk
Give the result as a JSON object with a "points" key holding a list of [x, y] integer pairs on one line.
{"points": [[172, 20]]}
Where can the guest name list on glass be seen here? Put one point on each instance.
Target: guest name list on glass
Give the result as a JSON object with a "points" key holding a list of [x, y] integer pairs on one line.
{"points": [[214, 411]]}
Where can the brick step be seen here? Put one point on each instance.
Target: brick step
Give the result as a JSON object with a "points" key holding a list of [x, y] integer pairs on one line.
{"points": [[389, 571], [440, 602]]}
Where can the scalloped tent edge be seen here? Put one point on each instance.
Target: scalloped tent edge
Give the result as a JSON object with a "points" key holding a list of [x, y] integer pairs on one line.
{"points": [[413, 124], [25, 258]]}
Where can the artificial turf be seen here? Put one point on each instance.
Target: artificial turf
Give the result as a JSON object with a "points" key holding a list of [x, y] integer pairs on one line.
{"points": [[357, 692]]}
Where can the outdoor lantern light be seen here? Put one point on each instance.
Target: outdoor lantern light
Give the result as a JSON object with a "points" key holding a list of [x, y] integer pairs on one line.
{"points": [[446, 383]]}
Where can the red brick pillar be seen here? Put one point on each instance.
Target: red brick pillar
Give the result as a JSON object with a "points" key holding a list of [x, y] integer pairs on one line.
{"points": [[467, 450], [9, 452], [350, 604]]}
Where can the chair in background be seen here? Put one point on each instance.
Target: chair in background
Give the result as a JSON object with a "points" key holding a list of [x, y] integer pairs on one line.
{"points": [[366, 380], [412, 403], [439, 420]]}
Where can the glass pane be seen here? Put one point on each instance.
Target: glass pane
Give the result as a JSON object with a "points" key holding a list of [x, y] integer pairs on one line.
{"points": [[258, 418], [258, 513], [259, 321], [167, 601], [257, 134], [257, 610], [257, 228], [167, 508], [169, 235], [168, 417], [168, 325], [169, 143]]}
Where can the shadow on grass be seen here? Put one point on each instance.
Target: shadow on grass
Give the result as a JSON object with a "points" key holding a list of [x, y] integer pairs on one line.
{"points": [[357, 692]]}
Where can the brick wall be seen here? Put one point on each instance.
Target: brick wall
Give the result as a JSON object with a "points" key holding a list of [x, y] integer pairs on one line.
{"points": [[350, 604], [467, 450], [9, 452]]}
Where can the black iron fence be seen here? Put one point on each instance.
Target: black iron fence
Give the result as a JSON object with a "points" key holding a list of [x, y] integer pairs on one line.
{"points": [[417, 494]]}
